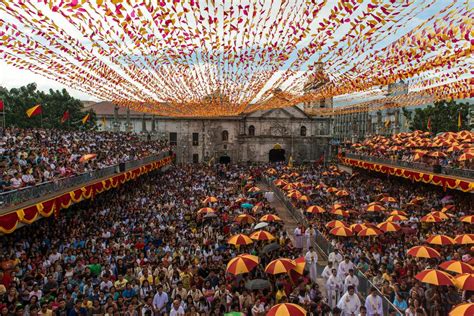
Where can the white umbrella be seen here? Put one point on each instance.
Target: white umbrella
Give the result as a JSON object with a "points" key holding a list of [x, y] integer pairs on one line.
{"points": [[261, 225]]}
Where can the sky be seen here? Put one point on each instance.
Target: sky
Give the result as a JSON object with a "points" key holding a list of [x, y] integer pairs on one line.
{"points": [[11, 77]]}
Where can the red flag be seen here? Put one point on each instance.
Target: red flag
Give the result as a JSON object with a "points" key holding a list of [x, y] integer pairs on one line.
{"points": [[33, 111], [2, 106], [65, 117], [428, 126]]}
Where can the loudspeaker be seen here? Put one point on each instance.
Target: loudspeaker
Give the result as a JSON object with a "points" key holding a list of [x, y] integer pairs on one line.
{"points": [[437, 168], [122, 167]]}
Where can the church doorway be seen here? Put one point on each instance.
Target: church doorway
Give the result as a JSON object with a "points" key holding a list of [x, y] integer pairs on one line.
{"points": [[276, 154], [224, 160]]}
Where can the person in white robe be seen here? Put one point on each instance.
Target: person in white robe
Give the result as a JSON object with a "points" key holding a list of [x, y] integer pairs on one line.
{"points": [[344, 267], [298, 238], [327, 272], [353, 280], [373, 303], [310, 234], [349, 303], [311, 259], [335, 257], [333, 287]]}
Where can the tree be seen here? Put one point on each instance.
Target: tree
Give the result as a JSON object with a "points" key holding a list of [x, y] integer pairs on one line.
{"points": [[54, 104], [443, 116]]}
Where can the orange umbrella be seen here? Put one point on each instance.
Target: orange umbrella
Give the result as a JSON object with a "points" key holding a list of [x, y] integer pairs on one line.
{"points": [[271, 171], [335, 223], [87, 157], [332, 189], [358, 227], [340, 212], [466, 157], [294, 194], [300, 264], [342, 193], [398, 212], [370, 231], [206, 210], [468, 219], [242, 264], [280, 182], [286, 309], [435, 277], [465, 239], [314, 209], [388, 227], [440, 214], [375, 208], [262, 235], [388, 199], [270, 218], [437, 154], [289, 187], [282, 265], [209, 199], [303, 198], [342, 231], [423, 252], [447, 208], [254, 190], [244, 219], [337, 205], [465, 281], [440, 240], [239, 239], [456, 266], [430, 218], [466, 309]]}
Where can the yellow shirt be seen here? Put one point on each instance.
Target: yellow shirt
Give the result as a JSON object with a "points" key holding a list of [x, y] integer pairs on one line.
{"points": [[150, 279], [120, 285], [279, 295]]}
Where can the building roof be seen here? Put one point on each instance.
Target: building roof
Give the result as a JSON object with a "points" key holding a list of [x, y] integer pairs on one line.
{"points": [[106, 108]]}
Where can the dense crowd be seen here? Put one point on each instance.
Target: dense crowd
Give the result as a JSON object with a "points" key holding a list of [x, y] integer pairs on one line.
{"points": [[455, 150], [383, 258], [29, 157]]}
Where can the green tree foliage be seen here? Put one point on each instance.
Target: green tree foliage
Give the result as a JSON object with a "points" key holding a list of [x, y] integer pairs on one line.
{"points": [[54, 104], [443, 115]]}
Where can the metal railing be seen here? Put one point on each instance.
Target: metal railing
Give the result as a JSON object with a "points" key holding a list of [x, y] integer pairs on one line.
{"points": [[13, 197], [325, 247], [464, 173]]}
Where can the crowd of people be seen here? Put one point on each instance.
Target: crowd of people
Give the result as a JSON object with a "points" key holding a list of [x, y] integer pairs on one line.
{"points": [[30, 157], [455, 150], [382, 258]]}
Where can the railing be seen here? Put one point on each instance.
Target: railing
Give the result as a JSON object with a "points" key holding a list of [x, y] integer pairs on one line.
{"points": [[28, 193], [464, 173], [325, 247]]}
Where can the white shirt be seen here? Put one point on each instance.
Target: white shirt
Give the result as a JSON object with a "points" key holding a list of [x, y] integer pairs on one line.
{"points": [[311, 257], [351, 280], [344, 268], [177, 312], [349, 304], [374, 305]]}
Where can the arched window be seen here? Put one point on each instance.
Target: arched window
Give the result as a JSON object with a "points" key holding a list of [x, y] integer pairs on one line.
{"points": [[303, 131], [251, 130], [225, 136]]}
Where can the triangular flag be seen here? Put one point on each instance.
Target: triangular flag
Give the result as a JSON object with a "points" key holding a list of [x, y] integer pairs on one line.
{"points": [[2, 106], [85, 119], [33, 111], [459, 121], [65, 117]]}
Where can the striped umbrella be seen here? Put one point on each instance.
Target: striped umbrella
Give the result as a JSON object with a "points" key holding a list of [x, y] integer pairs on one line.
{"points": [[294, 194], [456, 266], [466, 309], [388, 199], [465, 281], [468, 219], [300, 265], [206, 210], [262, 235], [398, 212], [244, 219], [282, 265], [447, 208], [388, 227], [87, 157], [289, 187], [287, 309], [270, 218], [280, 182], [370, 231], [340, 212], [254, 190], [357, 227], [466, 156], [332, 189], [314, 209], [342, 231], [209, 199], [271, 171], [423, 252], [341, 193], [303, 198], [440, 240], [441, 215], [465, 239], [430, 218], [374, 203], [396, 218], [375, 208], [335, 206], [242, 264], [335, 223], [239, 239], [435, 277]]}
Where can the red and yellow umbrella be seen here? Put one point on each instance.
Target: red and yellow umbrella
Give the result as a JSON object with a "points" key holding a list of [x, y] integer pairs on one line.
{"points": [[303, 198], [468, 219], [300, 265], [441, 215], [370, 231], [374, 203], [435, 277], [388, 199], [342, 231], [423, 252], [87, 157], [332, 189], [335, 223], [271, 171], [239, 239], [396, 218], [466, 157], [456, 266], [209, 199], [430, 218], [242, 264], [342, 193], [262, 235], [437, 154], [398, 212], [465, 239], [287, 309], [289, 187], [466, 309], [357, 227], [314, 209], [375, 208], [244, 219], [440, 240], [388, 227], [447, 208], [282, 265], [270, 218], [465, 281], [206, 210], [340, 212], [294, 194], [254, 190], [280, 182]]}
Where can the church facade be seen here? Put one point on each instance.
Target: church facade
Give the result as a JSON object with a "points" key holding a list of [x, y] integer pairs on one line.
{"points": [[247, 137]]}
